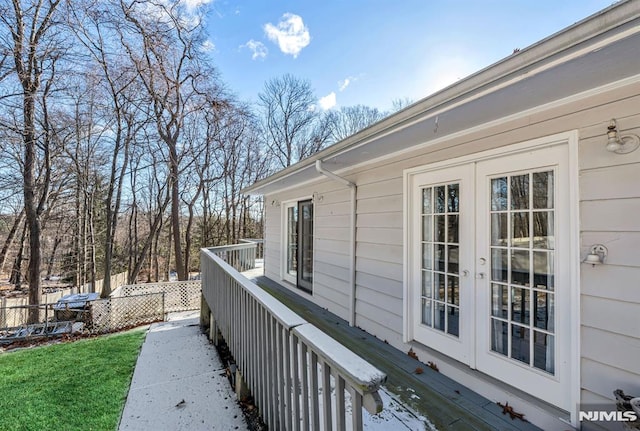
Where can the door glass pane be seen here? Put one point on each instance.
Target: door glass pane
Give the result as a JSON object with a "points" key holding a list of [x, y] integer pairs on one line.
{"points": [[427, 228], [499, 301], [499, 229], [440, 199], [543, 270], [453, 259], [426, 312], [543, 229], [440, 228], [520, 229], [543, 190], [499, 264], [452, 228], [427, 256], [453, 319], [292, 240], [543, 352], [305, 249], [453, 289], [439, 285], [522, 218], [439, 316], [520, 305], [520, 192], [426, 201], [520, 267], [499, 194], [520, 343], [453, 198], [440, 257], [499, 337]]}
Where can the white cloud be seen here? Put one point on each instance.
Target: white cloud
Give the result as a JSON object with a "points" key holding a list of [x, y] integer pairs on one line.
{"points": [[344, 83], [327, 102], [290, 34], [258, 49]]}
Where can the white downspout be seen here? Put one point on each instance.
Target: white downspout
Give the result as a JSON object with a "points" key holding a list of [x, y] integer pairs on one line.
{"points": [[352, 236]]}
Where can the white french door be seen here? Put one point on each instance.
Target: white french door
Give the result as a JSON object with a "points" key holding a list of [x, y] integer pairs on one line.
{"points": [[490, 267]]}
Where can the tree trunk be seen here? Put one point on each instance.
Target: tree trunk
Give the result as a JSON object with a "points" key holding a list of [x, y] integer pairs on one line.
{"points": [[9, 240]]}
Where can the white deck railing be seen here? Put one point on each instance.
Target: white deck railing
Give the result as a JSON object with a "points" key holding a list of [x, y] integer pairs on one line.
{"points": [[242, 257], [300, 377]]}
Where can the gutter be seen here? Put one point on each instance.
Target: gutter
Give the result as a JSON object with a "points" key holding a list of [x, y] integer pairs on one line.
{"points": [[352, 236]]}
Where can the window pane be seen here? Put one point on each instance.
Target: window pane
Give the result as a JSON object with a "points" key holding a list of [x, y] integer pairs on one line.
{"points": [[520, 306], [453, 321], [439, 286], [499, 262], [439, 257], [427, 287], [453, 228], [440, 199], [453, 290], [499, 301], [453, 259], [426, 201], [544, 309], [543, 190], [499, 340], [453, 198], [520, 229], [499, 232], [543, 229], [520, 267], [438, 318], [426, 312], [520, 337], [543, 352], [499, 194], [427, 228], [520, 192], [440, 228], [543, 276], [427, 256]]}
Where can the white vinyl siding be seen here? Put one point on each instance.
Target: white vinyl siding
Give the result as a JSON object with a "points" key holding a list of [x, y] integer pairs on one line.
{"points": [[609, 212]]}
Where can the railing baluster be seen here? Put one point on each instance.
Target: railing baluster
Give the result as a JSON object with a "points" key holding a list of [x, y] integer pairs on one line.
{"points": [[326, 396], [315, 404], [304, 367], [356, 409], [340, 410], [295, 383]]}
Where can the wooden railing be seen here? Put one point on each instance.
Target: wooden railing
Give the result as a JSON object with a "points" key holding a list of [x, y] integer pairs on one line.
{"points": [[242, 257], [300, 377]]}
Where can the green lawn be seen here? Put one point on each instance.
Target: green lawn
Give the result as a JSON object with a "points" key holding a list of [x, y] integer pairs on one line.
{"points": [[72, 386]]}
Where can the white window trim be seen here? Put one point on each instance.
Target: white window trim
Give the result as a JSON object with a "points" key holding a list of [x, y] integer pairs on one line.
{"points": [[570, 139]]}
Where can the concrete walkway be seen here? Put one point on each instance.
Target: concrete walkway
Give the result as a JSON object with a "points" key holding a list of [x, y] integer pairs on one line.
{"points": [[179, 382]]}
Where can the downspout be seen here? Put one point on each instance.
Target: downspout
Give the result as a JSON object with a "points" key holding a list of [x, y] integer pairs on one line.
{"points": [[352, 236]]}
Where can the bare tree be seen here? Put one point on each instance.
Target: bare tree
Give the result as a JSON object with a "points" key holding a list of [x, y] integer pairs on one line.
{"points": [[289, 118], [352, 119], [33, 52]]}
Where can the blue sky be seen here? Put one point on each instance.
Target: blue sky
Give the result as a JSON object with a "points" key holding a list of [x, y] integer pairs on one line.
{"points": [[371, 52]]}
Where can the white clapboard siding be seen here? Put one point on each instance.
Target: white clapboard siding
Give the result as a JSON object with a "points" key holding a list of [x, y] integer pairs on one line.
{"points": [[609, 212]]}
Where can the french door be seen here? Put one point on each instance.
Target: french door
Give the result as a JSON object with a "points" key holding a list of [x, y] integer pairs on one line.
{"points": [[489, 258], [299, 244]]}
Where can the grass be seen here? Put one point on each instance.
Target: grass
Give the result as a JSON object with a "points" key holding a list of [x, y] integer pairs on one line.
{"points": [[72, 386]]}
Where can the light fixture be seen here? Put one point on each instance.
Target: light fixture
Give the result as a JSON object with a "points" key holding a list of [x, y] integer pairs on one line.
{"points": [[275, 203], [620, 144], [597, 255]]}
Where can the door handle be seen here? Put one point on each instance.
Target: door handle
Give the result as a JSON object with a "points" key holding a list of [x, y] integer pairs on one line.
{"points": [[480, 276], [465, 273]]}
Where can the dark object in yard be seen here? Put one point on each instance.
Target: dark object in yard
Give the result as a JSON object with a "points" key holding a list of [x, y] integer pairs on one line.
{"points": [[419, 370], [74, 306], [433, 366], [507, 409]]}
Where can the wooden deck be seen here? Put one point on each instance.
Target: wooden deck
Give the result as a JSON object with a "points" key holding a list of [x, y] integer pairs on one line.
{"points": [[447, 404]]}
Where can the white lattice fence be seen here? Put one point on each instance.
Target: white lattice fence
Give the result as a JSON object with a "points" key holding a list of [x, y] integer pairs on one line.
{"points": [[116, 313], [178, 295]]}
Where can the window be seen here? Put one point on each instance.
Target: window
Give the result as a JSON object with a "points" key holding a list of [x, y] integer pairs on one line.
{"points": [[299, 244]]}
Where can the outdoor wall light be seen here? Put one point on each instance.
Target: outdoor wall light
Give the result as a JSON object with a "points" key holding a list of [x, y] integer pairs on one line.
{"points": [[597, 255], [620, 144], [275, 203]]}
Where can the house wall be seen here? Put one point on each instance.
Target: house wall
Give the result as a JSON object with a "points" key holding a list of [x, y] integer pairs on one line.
{"points": [[609, 187]]}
